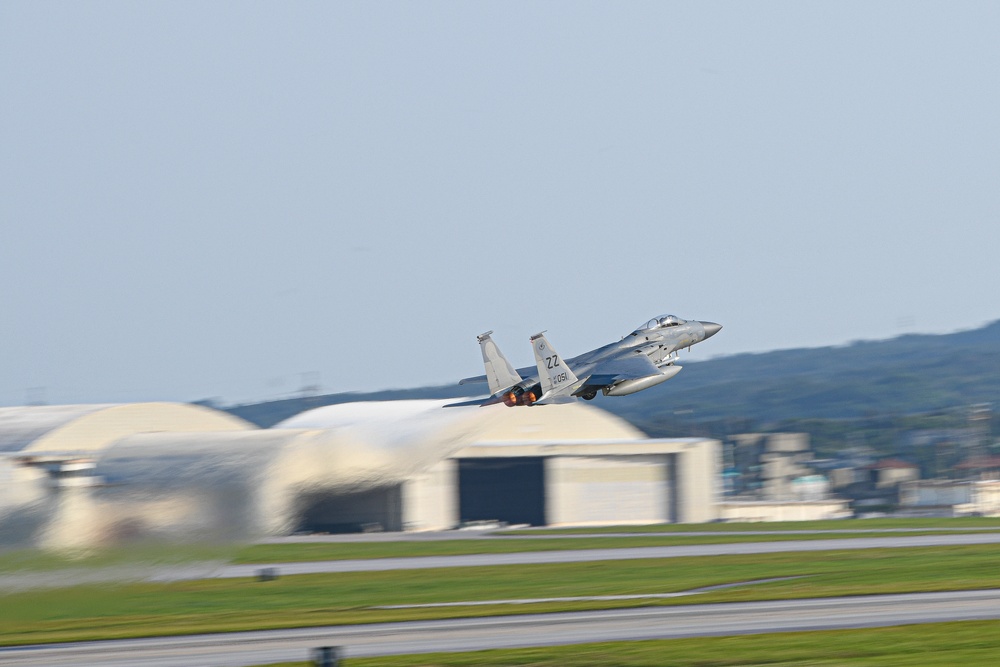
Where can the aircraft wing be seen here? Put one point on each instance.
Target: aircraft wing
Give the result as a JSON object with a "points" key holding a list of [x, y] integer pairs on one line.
{"points": [[631, 367], [614, 370]]}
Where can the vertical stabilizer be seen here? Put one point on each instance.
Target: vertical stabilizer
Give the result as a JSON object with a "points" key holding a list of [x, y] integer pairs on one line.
{"points": [[499, 373], [554, 375]]}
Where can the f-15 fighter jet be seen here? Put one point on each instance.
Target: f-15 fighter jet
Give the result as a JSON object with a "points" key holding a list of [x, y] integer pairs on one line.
{"points": [[644, 358]]}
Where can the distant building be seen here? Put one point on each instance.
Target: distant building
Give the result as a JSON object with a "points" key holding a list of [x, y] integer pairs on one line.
{"points": [[844, 475], [890, 473], [811, 488], [984, 467], [768, 479], [950, 498], [963, 437], [874, 487], [764, 465], [762, 510], [848, 468]]}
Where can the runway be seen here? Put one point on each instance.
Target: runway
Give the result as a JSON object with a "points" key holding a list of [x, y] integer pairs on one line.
{"points": [[255, 648], [583, 555]]}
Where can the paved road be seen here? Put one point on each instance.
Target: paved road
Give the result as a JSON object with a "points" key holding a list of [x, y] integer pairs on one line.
{"points": [[254, 648], [583, 555]]}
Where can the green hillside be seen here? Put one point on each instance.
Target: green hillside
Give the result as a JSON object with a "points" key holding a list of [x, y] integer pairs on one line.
{"points": [[909, 374]]}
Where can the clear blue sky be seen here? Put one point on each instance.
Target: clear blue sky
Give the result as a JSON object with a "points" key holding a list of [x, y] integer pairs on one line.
{"points": [[209, 199]]}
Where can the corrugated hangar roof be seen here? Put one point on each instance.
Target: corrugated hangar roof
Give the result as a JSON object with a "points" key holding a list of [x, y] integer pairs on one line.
{"points": [[77, 428]]}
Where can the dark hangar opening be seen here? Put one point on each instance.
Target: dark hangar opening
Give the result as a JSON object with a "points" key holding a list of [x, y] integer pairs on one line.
{"points": [[369, 510], [502, 489]]}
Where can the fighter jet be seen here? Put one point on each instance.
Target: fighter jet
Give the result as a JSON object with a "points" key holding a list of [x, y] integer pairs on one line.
{"points": [[644, 358]]}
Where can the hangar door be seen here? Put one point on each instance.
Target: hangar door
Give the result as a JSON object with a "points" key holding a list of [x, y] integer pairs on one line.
{"points": [[350, 511], [502, 489]]}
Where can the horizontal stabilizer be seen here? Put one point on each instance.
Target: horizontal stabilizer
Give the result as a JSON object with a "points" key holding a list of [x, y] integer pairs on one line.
{"points": [[481, 402]]}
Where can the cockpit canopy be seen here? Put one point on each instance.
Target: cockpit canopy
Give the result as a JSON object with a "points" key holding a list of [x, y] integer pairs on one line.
{"points": [[661, 322]]}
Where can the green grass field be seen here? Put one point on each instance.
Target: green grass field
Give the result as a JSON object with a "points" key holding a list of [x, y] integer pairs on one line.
{"points": [[293, 553], [956, 523], [36, 560], [644, 536], [653, 535], [935, 645], [95, 612]]}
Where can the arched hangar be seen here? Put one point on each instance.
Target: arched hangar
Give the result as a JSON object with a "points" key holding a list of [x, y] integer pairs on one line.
{"points": [[184, 472], [569, 464]]}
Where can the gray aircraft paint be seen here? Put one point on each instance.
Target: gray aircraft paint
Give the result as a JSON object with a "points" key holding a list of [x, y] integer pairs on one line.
{"points": [[644, 358], [556, 376], [499, 373]]}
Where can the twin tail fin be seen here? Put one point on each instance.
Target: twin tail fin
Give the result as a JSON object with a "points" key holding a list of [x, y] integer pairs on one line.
{"points": [[553, 373], [499, 373]]}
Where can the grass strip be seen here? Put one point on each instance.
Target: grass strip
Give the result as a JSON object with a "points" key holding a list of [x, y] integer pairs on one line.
{"points": [[926, 645], [221, 605], [316, 551], [33, 560], [148, 557], [955, 523], [142, 554]]}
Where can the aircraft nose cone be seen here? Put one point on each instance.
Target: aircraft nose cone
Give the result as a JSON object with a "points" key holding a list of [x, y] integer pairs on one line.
{"points": [[711, 328]]}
